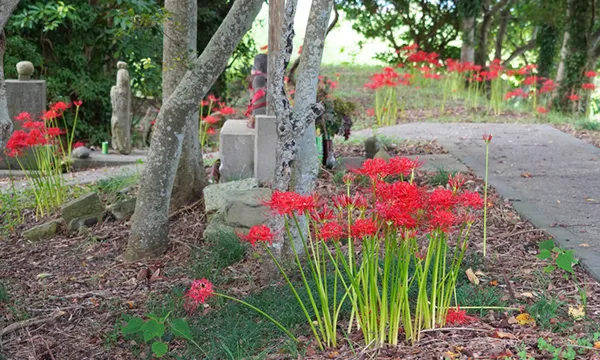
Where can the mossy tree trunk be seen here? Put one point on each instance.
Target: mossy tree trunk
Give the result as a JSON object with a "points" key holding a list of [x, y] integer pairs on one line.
{"points": [[6, 127], [149, 234]]}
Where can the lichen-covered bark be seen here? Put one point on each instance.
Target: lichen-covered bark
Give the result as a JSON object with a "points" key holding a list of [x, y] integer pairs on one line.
{"points": [[179, 50], [6, 127], [150, 223], [297, 164]]}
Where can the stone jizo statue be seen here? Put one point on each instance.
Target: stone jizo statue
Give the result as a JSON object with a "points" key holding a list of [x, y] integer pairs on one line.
{"points": [[120, 96], [25, 70]]}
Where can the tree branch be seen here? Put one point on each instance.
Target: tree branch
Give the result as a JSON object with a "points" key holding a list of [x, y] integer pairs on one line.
{"points": [[520, 50]]}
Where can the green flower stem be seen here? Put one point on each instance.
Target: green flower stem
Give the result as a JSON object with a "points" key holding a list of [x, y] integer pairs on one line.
{"points": [[286, 331], [485, 193]]}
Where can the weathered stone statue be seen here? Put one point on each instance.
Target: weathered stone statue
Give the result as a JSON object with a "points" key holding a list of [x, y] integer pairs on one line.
{"points": [[25, 70], [120, 122]]}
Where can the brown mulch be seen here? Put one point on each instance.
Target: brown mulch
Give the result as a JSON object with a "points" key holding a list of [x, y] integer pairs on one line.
{"points": [[399, 148], [592, 137], [84, 277]]}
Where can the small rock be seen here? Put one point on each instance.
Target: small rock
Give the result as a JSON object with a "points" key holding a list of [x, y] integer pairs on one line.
{"points": [[81, 152], [244, 208], [122, 209], [83, 211], [382, 154], [43, 231], [372, 147], [214, 194]]}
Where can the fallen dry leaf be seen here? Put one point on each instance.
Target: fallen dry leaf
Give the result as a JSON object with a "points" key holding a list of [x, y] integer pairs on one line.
{"points": [[494, 282], [597, 345], [526, 175], [472, 277], [527, 295], [479, 273], [584, 245], [525, 319], [503, 335], [577, 313]]}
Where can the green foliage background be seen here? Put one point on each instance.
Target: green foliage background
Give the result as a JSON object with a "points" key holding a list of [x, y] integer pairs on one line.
{"points": [[75, 46]]}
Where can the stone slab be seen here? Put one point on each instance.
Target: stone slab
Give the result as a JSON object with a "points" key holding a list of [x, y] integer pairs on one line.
{"points": [[431, 163], [562, 196], [245, 209], [25, 95], [236, 151], [215, 194], [43, 231], [265, 147]]}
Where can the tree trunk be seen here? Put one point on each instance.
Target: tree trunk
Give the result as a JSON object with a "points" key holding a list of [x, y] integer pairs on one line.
{"points": [[150, 223], [560, 72], [481, 54], [504, 18], [467, 51], [179, 51], [276, 13], [6, 126], [306, 164]]}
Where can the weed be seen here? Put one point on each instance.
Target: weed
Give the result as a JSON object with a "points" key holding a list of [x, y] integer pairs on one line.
{"points": [[469, 296], [216, 256], [4, 297], [338, 178], [548, 314], [440, 178], [590, 125]]}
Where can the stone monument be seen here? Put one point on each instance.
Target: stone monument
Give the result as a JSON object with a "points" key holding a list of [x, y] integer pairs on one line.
{"points": [[120, 122], [258, 103]]}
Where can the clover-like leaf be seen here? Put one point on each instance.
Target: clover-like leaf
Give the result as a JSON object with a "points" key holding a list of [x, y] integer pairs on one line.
{"points": [[180, 328], [159, 349], [152, 329], [132, 326]]}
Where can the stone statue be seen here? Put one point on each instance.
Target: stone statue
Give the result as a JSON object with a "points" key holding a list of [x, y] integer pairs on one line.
{"points": [[120, 122], [25, 70]]}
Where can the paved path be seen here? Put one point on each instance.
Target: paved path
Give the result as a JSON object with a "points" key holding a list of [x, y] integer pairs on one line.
{"points": [[562, 194]]}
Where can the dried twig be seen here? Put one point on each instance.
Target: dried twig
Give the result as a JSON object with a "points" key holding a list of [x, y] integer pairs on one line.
{"points": [[31, 322]]}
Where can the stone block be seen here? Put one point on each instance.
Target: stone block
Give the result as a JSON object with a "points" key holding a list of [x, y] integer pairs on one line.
{"points": [[122, 208], [43, 231], [86, 210], [214, 195], [25, 95], [236, 151], [265, 147], [244, 208]]}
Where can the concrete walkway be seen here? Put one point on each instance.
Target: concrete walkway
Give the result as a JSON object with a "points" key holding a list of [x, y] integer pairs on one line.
{"points": [[552, 178]]}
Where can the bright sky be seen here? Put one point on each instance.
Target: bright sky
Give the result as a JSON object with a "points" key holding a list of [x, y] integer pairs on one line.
{"points": [[341, 45]]}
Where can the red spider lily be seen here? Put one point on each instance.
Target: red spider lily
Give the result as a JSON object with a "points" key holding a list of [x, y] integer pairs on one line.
{"points": [[227, 110], [590, 74], [402, 166], [322, 215], [210, 119], [212, 98], [304, 203], [347, 202], [300, 50], [411, 47], [77, 103], [441, 199], [286, 203], [548, 86], [34, 125], [50, 115], [373, 168], [442, 220], [398, 215], [24, 116], [542, 110], [531, 80], [54, 131], [516, 93], [78, 144], [330, 231], [200, 291], [456, 316], [348, 178], [258, 233], [60, 106], [470, 199], [264, 48], [400, 194], [456, 181], [588, 86], [332, 84], [573, 97], [487, 138], [204, 103], [211, 131], [362, 228], [21, 140]]}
